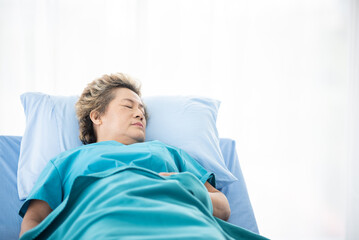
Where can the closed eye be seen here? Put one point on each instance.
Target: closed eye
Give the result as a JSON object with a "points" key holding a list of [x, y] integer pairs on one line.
{"points": [[130, 107]]}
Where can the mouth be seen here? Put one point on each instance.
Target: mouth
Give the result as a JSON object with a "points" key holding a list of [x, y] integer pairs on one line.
{"points": [[138, 124]]}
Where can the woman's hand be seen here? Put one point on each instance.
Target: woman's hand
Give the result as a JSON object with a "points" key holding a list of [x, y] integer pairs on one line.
{"points": [[167, 173]]}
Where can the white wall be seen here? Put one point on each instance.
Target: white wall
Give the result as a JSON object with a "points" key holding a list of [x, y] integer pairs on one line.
{"points": [[280, 69]]}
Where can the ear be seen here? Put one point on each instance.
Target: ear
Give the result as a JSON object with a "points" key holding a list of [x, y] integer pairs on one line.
{"points": [[95, 117]]}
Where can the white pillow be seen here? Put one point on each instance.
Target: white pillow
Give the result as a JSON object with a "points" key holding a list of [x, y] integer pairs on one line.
{"points": [[188, 123]]}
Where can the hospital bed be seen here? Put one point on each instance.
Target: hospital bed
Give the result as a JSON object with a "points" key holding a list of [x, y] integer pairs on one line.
{"points": [[241, 210]]}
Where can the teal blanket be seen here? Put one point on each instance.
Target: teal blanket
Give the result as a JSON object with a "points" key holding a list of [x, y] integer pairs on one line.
{"points": [[101, 206], [109, 190]]}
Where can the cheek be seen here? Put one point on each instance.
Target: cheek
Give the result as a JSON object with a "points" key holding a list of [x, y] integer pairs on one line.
{"points": [[125, 118], [116, 120]]}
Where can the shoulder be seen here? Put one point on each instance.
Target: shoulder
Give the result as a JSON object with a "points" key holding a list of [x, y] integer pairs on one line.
{"points": [[90, 146], [157, 143], [70, 152]]}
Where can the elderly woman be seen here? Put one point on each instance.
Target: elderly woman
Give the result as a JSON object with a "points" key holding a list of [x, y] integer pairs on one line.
{"points": [[117, 186]]}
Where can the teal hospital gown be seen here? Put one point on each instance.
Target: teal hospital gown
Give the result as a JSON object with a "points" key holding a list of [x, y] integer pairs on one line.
{"points": [[109, 190]]}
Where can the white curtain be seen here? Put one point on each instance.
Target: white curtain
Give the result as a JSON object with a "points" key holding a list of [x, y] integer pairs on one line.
{"points": [[280, 69], [352, 230]]}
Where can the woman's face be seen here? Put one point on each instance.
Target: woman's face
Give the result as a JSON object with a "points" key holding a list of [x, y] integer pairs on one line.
{"points": [[124, 120]]}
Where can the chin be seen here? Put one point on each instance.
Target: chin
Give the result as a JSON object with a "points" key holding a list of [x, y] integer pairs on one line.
{"points": [[139, 139]]}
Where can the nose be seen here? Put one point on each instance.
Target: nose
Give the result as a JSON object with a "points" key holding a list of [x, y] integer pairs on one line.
{"points": [[139, 114], [139, 117]]}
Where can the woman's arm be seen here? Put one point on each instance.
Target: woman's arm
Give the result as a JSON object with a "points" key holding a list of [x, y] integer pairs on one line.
{"points": [[37, 211], [220, 203]]}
